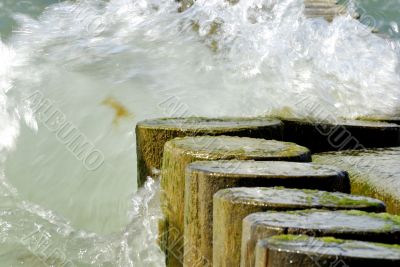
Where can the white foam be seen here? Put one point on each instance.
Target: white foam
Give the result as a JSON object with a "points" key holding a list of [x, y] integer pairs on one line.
{"points": [[9, 126]]}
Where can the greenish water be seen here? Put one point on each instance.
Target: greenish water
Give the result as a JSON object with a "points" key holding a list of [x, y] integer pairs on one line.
{"points": [[383, 15], [11, 8]]}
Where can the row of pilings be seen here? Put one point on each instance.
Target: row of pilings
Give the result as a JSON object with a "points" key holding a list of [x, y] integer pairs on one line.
{"points": [[245, 192]]}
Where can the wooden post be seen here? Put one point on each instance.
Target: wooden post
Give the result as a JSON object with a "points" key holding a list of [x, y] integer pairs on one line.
{"points": [[373, 172], [178, 153]]}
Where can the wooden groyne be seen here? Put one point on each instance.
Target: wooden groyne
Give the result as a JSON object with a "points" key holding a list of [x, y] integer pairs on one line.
{"points": [[212, 185], [179, 152]]}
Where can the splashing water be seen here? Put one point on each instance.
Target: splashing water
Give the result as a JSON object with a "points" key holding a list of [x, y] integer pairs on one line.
{"points": [[101, 66]]}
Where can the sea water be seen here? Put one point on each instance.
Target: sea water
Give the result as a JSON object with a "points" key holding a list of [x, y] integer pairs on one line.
{"points": [[75, 77]]}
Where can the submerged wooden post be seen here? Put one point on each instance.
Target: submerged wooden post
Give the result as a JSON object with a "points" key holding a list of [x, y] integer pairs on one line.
{"points": [[357, 225], [205, 178], [321, 136], [232, 205], [305, 251], [178, 153], [151, 135]]}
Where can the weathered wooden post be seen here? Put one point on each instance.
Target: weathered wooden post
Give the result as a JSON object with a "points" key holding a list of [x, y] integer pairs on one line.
{"points": [[306, 251], [151, 135], [356, 225], [373, 172], [232, 205], [178, 153]]}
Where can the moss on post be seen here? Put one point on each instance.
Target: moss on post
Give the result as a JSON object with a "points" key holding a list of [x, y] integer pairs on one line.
{"points": [[178, 153], [151, 135], [356, 225], [232, 205], [305, 251]]}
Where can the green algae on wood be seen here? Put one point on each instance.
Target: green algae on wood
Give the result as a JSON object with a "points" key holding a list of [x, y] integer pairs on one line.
{"points": [[232, 205], [373, 172], [306, 251], [205, 178], [179, 152], [320, 136], [151, 135], [353, 225]]}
